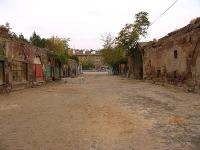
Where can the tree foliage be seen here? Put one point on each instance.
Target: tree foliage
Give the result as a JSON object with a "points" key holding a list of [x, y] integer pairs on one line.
{"points": [[113, 56], [13, 35], [111, 53], [22, 38], [88, 63], [141, 23], [74, 58], [36, 40], [108, 41], [59, 46], [131, 33], [116, 51]]}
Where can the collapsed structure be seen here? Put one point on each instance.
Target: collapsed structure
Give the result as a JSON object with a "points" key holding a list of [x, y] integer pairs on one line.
{"points": [[175, 58], [23, 65]]}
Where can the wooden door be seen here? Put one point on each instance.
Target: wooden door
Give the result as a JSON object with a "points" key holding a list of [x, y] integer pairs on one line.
{"points": [[1, 72]]}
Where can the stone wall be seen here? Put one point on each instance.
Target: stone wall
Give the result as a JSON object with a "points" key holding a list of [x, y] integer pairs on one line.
{"points": [[175, 57], [18, 59]]}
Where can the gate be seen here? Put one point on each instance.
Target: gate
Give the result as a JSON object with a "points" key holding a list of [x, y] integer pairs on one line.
{"points": [[38, 69], [57, 71], [19, 72], [48, 72]]}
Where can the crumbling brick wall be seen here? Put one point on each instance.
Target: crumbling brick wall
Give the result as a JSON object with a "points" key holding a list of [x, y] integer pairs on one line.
{"points": [[4, 32], [198, 70], [23, 64], [175, 57], [18, 60]]}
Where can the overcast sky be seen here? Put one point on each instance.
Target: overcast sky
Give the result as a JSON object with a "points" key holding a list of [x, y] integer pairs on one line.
{"points": [[84, 21]]}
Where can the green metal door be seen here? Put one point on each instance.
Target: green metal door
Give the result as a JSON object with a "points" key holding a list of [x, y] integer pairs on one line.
{"points": [[48, 72], [57, 72]]}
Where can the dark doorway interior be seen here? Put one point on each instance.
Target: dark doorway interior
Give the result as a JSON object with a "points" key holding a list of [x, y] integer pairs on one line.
{"points": [[1, 72], [138, 62]]}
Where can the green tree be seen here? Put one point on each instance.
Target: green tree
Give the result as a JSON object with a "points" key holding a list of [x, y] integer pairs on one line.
{"points": [[131, 33], [38, 41], [113, 57], [108, 41], [112, 54], [88, 63], [74, 58], [121, 49], [60, 47], [22, 38], [141, 23]]}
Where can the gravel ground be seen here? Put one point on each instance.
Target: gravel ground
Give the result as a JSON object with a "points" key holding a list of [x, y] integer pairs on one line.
{"points": [[101, 112]]}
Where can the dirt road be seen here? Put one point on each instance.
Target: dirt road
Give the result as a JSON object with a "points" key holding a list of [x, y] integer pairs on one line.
{"points": [[103, 113]]}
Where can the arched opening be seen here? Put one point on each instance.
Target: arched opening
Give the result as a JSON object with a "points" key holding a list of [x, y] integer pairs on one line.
{"points": [[19, 68]]}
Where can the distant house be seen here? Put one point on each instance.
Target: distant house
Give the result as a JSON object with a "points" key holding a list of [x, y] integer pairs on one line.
{"points": [[93, 56]]}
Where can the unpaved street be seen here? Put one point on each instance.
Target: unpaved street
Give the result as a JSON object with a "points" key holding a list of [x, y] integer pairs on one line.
{"points": [[103, 113]]}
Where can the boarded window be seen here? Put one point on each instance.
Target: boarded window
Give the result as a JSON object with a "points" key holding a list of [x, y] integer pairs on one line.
{"points": [[175, 54], [19, 70], [1, 73]]}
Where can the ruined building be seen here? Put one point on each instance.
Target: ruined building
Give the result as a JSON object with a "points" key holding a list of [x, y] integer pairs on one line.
{"points": [[175, 58], [24, 65]]}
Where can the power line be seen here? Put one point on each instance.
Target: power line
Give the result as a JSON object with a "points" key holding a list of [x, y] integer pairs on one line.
{"points": [[164, 12]]}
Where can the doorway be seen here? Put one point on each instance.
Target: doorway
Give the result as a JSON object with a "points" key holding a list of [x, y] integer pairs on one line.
{"points": [[1, 73]]}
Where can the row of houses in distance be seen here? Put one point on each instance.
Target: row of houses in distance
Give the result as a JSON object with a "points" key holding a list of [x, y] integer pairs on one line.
{"points": [[23, 65]]}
